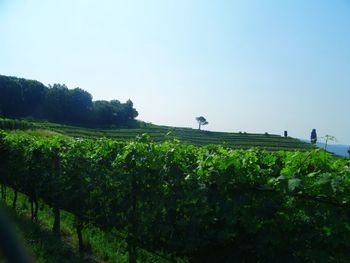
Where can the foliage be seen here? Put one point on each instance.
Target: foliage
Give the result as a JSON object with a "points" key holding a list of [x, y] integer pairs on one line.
{"points": [[46, 247], [15, 124], [208, 204], [164, 133], [29, 98], [201, 121], [20, 97], [313, 136]]}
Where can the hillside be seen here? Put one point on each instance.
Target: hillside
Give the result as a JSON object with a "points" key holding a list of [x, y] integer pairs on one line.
{"points": [[163, 133], [30, 99]]}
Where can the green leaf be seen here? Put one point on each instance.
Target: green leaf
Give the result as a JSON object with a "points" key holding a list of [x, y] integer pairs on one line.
{"points": [[293, 184]]}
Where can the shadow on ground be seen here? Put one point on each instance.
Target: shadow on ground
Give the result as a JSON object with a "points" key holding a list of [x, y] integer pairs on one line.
{"points": [[41, 243]]}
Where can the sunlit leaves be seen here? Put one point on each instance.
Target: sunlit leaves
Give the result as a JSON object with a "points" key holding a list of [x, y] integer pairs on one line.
{"points": [[253, 206]]}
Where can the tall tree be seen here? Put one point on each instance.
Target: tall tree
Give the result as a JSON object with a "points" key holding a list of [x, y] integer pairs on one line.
{"points": [[55, 103], [130, 111], [79, 106], [313, 136], [201, 121], [20, 97], [102, 112]]}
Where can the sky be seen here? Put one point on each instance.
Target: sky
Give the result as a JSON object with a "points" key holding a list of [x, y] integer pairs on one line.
{"points": [[254, 66]]}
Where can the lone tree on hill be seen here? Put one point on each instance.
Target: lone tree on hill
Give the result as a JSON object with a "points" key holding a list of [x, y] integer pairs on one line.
{"points": [[201, 121], [313, 136]]}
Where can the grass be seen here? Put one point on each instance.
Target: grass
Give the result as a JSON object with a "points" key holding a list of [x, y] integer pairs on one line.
{"points": [[47, 247], [163, 133], [42, 133], [41, 242]]}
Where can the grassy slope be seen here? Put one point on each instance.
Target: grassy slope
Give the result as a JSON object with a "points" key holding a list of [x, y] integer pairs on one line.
{"points": [[162, 133], [185, 135]]}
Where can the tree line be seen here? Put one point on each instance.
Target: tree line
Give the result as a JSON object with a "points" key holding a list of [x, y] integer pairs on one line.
{"points": [[22, 98]]}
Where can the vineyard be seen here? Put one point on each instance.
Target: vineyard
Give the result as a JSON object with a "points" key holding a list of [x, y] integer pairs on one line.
{"points": [[241, 140], [196, 204]]}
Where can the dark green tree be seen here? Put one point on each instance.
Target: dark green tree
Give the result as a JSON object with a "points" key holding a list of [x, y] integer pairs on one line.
{"points": [[30, 98], [113, 112], [313, 136], [55, 103], [201, 121], [102, 112], [79, 106], [131, 112], [32, 93], [20, 97]]}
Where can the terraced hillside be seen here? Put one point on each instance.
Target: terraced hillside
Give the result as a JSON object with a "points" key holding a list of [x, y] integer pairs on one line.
{"points": [[162, 133]]}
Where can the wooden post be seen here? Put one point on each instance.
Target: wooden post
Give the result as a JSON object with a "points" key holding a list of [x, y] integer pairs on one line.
{"points": [[56, 209], [57, 221], [36, 208], [32, 208], [79, 227], [3, 192], [132, 222], [14, 202]]}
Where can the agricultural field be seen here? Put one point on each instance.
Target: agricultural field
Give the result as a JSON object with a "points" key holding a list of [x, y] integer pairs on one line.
{"points": [[86, 177], [163, 133], [175, 202]]}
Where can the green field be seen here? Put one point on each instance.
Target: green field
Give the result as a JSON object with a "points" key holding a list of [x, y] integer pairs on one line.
{"points": [[140, 201], [99, 246], [164, 133]]}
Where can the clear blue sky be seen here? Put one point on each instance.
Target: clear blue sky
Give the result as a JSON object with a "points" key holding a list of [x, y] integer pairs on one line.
{"points": [[255, 66]]}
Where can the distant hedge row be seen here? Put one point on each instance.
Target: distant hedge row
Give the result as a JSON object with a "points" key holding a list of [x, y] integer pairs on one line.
{"points": [[10, 124]]}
